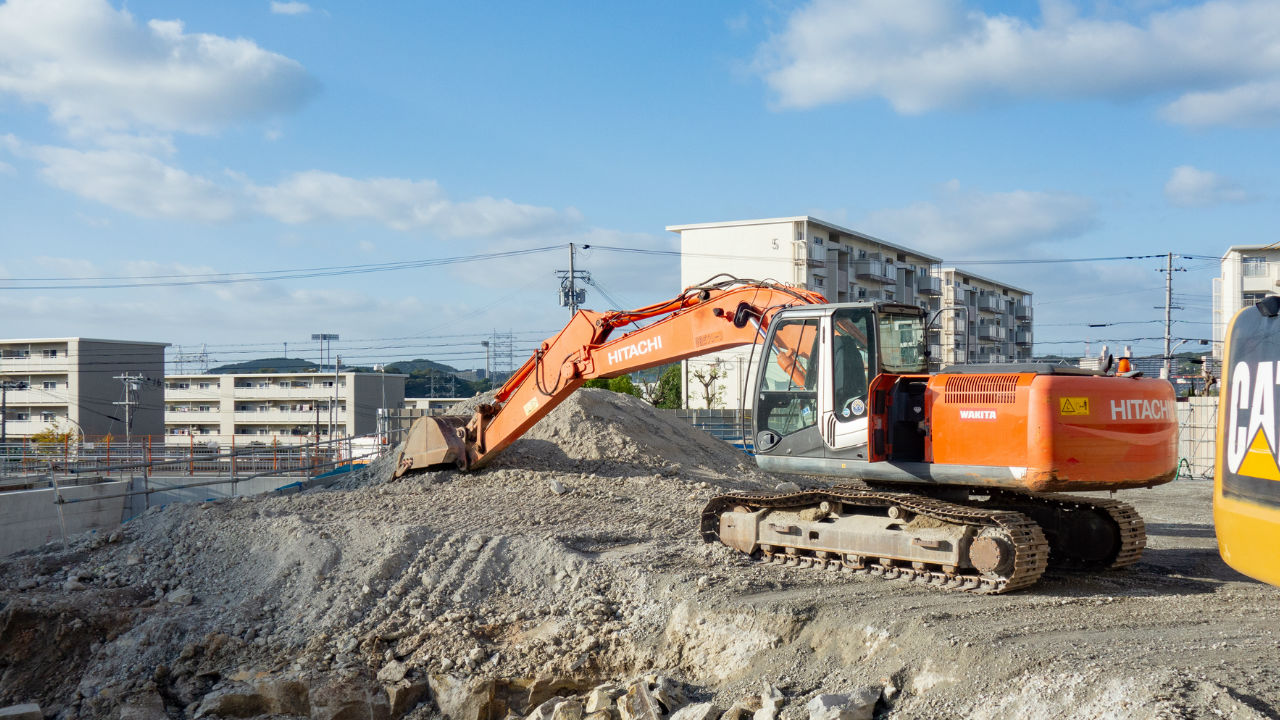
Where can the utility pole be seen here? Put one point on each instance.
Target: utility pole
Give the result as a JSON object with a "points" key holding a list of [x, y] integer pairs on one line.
{"points": [[131, 383], [333, 411], [1168, 313], [1169, 307], [570, 296], [573, 289], [485, 343]]}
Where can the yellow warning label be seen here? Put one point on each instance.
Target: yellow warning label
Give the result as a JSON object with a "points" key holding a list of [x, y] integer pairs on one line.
{"points": [[1073, 406], [530, 406], [1258, 460]]}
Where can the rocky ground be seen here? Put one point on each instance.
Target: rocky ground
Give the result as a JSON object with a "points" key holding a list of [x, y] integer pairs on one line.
{"points": [[568, 580]]}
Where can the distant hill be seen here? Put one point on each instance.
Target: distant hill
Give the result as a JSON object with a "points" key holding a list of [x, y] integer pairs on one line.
{"points": [[267, 365], [409, 367]]}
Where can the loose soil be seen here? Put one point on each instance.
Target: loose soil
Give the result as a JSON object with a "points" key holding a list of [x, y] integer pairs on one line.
{"points": [[446, 578]]}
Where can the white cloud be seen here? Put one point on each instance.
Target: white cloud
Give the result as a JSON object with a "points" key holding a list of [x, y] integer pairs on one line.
{"points": [[400, 204], [963, 221], [97, 69], [289, 8], [1254, 104], [139, 183], [1222, 57], [136, 183], [1192, 187], [7, 169]]}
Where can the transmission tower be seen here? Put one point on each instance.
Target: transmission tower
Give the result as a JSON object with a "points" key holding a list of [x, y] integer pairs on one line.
{"points": [[184, 360], [503, 351]]}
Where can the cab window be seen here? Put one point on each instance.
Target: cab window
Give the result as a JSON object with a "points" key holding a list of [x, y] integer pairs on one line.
{"points": [[789, 384], [852, 348]]}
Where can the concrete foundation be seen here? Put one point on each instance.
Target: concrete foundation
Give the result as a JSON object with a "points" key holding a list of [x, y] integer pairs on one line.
{"points": [[29, 518]]}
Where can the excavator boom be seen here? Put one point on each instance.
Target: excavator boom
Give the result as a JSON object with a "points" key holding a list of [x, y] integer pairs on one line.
{"points": [[721, 313]]}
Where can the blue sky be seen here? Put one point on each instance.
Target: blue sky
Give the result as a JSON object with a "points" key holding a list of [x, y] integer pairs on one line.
{"points": [[181, 138]]}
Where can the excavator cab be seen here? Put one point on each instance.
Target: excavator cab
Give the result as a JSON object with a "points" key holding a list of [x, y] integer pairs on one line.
{"points": [[824, 374]]}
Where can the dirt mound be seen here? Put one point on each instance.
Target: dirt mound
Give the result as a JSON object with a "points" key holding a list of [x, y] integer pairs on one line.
{"points": [[573, 566]]}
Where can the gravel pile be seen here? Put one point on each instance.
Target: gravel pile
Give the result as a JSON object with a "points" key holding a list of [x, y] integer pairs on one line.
{"points": [[568, 580]]}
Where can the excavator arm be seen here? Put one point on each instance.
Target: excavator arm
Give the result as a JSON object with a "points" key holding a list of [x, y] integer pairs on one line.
{"points": [[722, 313]]}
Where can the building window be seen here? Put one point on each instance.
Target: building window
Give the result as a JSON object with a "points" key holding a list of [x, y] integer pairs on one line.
{"points": [[817, 240], [1253, 266], [48, 416], [1250, 299], [50, 384], [205, 385], [818, 281], [49, 353], [12, 353]]}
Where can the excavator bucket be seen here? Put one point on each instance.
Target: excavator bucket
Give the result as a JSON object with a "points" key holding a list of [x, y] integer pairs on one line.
{"points": [[434, 442]]}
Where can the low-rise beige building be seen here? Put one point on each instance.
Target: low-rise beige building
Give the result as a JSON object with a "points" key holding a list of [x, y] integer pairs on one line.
{"points": [[843, 265], [286, 408], [1249, 273], [981, 320], [78, 384]]}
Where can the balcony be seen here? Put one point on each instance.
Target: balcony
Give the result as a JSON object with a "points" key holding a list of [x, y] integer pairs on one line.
{"points": [[876, 270], [814, 256], [286, 416], [1022, 311], [928, 285], [990, 303], [1022, 337], [36, 364], [990, 332]]}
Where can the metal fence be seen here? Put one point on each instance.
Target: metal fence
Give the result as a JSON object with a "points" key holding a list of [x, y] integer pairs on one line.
{"points": [[25, 460]]}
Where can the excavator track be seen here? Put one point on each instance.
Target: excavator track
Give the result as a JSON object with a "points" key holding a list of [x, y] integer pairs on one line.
{"points": [[1025, 541], [1083, 533]]}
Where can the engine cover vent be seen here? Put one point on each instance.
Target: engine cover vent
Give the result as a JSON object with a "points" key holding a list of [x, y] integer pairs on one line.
{"points": [[981, 389]]}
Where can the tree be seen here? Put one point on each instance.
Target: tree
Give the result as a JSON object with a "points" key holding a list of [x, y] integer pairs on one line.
{"points": [[53, 439], [665, 393], [708, 376], [621, 384]]}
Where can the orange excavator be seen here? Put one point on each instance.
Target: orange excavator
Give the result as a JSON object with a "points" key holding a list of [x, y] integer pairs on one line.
{"points": [[949, 479]]}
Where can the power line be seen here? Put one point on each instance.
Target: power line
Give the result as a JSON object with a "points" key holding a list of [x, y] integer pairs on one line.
{"points": [[70, 283]]}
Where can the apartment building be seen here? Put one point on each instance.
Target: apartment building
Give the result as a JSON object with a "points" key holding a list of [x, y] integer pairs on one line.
{"points": [[73, 384], [844, 265], [287, 408], [979, 320], [1249, 273]]}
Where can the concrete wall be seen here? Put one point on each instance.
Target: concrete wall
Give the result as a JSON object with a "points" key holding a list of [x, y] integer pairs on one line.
{"points": [[29, 518], [97, 364], [366, 396], [759, 252]]}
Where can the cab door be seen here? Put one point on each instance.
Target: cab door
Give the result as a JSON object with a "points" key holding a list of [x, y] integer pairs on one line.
{"points": [[844, 400], [788, 383]]}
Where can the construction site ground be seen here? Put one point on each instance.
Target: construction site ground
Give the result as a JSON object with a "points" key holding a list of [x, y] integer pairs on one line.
{"points": [[575, 562]]}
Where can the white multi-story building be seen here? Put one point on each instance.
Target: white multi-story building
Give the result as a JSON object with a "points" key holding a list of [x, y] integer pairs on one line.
{"points": [[981, 320], [1249, 273], [73, 384], [287, 408], [843, 265]]}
